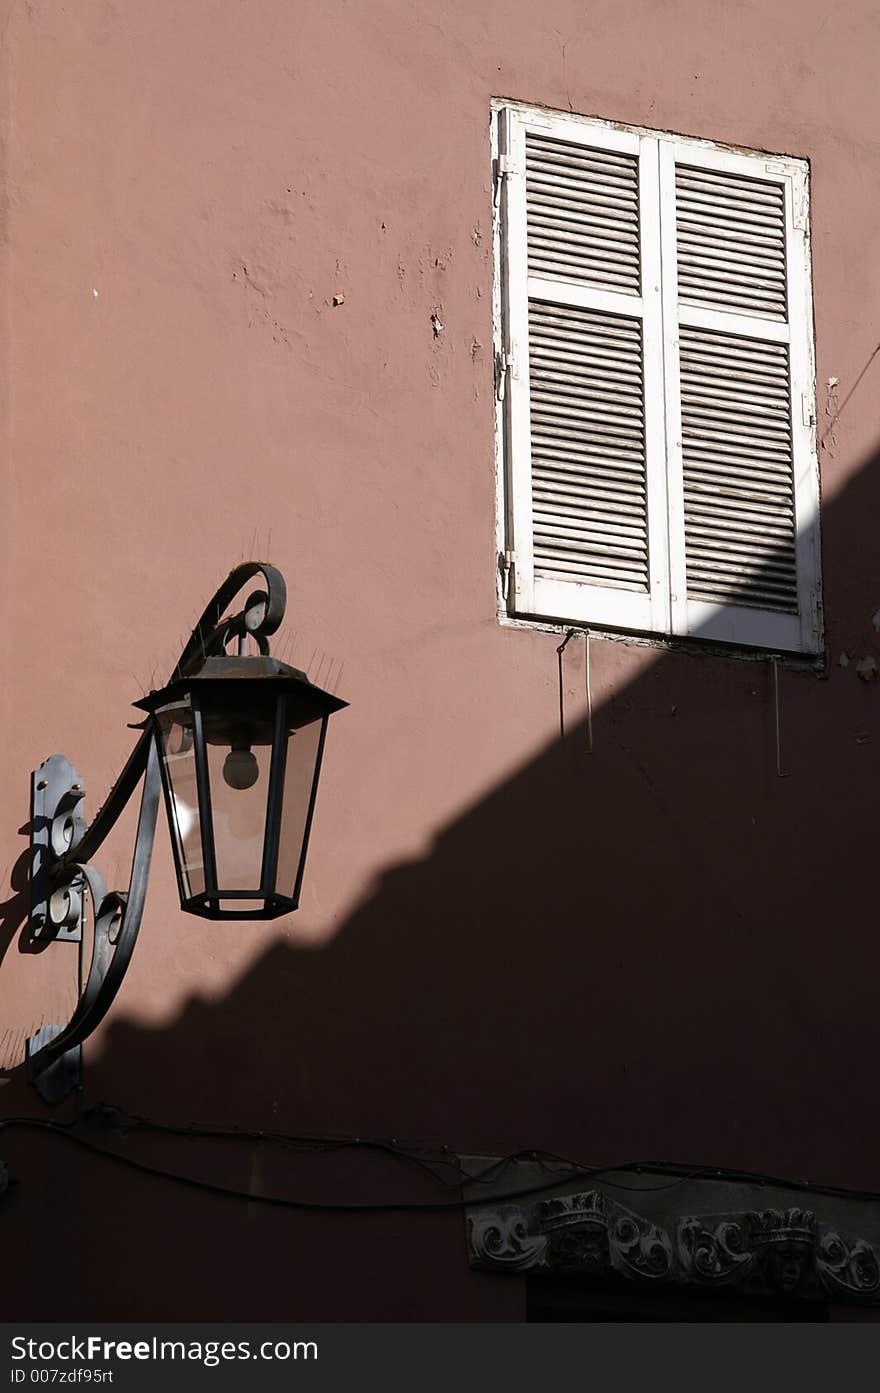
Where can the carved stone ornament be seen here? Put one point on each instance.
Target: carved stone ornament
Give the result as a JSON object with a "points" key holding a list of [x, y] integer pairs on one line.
{"points": [[781, 1252], [499, 1238]]}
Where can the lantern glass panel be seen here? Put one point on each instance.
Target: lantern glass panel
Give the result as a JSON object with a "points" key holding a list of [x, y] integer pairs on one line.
{"points": [[303, 754], [238, 750], [177, 750]]}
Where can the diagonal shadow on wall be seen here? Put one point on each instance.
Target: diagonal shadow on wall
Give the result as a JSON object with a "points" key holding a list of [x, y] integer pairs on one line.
{"points": [[659, 950]]}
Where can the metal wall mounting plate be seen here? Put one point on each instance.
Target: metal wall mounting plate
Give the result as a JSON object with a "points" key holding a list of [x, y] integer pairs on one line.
{"points": [[54, 1081], [57, 803]]}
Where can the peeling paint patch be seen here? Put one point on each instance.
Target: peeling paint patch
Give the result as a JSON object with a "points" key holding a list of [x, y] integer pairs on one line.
{"points": [[437, 324], [867, 668], [259, 298], [339, 299], [832, 411], [843, 660]]}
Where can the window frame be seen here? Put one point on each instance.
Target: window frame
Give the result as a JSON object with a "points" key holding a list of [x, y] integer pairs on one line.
{"points": [[664, 612]]}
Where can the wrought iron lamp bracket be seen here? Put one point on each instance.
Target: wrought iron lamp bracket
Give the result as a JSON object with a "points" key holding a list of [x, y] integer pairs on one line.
{"points": [[62, 880], [57, 823]]}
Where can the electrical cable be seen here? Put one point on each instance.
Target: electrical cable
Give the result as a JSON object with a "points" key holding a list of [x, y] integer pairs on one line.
{"points": [[133, 1122], [569, 1171], [281, 1201]]}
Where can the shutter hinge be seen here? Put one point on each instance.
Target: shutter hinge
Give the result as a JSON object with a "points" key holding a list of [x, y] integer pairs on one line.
{"points": [[505, 166], [511, 580], [799, 204], [503, 365], [808, 413]]}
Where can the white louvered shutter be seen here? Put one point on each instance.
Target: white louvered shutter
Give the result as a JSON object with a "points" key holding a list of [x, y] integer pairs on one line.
{"points": [[657, 383], [743, 484], [583, 380]]}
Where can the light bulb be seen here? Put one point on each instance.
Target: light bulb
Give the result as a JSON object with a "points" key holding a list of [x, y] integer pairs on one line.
{"points": [[240, 768], [185, 817]]}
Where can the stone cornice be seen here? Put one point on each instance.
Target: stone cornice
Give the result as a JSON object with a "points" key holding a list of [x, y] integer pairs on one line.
{"points": [[716, 1234]]}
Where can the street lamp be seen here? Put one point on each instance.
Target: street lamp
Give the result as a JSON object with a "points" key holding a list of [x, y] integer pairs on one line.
{"points": [[235, 741]]}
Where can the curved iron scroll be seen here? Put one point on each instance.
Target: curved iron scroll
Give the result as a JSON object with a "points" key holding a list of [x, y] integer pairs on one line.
{"points": [[261, 615], [117, 915]]}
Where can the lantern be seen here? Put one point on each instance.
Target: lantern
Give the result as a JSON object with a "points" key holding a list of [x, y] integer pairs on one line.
{"points": [[240, 745]]}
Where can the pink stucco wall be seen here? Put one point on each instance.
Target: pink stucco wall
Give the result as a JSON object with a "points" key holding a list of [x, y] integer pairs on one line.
{"points": [[662, 950]]}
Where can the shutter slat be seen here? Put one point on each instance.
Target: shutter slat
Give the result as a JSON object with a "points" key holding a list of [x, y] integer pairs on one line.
{"points": [[738, 349], [755, 281], [709, 253], [718, 498], [569, 503], [602, 491], [735, 302], [614, 455], [716, 514], [567, 510], [711, 459], [558, 267], [765, 418], [585, 192], [565, 398], [618, 224], [599, 363], [739, 516], [611, 160], [733, 211], [736, 548], [754, 483], [727, 449], [605, 560], [627, 541], [570, 236], [619, 472], [582, 214], [589, 490], [702, 231], [717, 391], [580, 379], [566, 243], [603, 231], [713, 250], [703, 177], [739, 432], [564, 155], [731, 242], [612, 577], [589, 428], [718, 590]]}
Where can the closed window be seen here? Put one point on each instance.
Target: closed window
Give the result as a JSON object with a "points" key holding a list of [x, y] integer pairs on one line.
{"points": [[655, 384]]}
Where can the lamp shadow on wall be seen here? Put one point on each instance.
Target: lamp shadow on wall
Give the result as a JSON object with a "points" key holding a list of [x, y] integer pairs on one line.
{"points": [[657, 950]]}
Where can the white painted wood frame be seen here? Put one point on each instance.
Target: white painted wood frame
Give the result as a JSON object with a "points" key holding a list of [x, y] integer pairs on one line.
{"points": [[663, 607]]}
